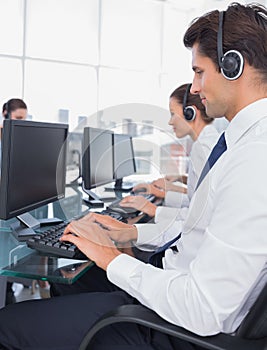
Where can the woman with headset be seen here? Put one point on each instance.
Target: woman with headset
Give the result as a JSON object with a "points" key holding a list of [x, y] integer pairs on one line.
{"points": [[188, 118], [15, 108]]}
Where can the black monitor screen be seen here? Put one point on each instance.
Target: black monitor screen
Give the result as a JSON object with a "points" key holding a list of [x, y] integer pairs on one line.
{"points": [[33, 169], [97, 159], [124, 163]]}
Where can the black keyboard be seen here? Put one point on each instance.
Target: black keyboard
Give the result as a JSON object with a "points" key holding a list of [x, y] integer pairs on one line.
{"points": [[48, 243], [128, 212]]}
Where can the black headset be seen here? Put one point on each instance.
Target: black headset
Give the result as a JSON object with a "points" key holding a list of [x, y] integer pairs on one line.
{"points": [[7, 109], [232, 62], [189, 111]]}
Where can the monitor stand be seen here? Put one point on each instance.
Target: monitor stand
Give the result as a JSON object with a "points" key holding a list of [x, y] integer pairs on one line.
{"points": [[24, 228], [120, 186], [93, 200]]}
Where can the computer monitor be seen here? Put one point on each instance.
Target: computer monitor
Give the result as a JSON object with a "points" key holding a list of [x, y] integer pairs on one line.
{"points": [[124, 161], [33, 171], [97, 161]]}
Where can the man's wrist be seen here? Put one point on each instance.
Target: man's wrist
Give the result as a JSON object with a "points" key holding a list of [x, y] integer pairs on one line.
{"points": [[150, 209], [132, 233], [109, 258]]}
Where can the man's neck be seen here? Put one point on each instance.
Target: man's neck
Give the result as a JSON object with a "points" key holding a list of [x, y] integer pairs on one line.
{"points": [[249, 88]]}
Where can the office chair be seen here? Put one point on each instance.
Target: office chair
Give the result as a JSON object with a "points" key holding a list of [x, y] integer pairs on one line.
{"points": [[251, 334]]}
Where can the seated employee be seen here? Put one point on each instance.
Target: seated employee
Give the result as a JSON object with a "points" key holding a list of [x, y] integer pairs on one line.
{"points": [[15, 108], [188, 117], [209, 283]]}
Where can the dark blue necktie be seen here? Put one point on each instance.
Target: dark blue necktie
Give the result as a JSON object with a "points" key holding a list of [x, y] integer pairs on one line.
{"points": [[156, 258], [220, 147], [217, 151]]}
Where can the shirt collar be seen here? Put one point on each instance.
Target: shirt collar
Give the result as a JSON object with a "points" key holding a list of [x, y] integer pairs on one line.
{"points": [[244, 120], [206, 131]]}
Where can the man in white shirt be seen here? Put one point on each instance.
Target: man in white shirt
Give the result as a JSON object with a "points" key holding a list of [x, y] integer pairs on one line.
{"points": [[208, 284]]}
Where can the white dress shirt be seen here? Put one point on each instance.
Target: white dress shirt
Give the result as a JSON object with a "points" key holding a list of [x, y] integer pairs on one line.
{"points": [[209, 285], [175, 209], [200, 152]]}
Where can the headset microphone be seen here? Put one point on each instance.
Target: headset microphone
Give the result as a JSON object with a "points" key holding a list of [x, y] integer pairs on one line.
{"points": [[232, 62], [189, 111]]}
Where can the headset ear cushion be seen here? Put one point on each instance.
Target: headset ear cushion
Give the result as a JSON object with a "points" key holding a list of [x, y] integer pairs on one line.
{"points": [[232, 65], [189, 113]]}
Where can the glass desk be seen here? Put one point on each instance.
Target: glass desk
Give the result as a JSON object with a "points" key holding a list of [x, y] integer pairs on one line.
{"points": [[17, 260]]}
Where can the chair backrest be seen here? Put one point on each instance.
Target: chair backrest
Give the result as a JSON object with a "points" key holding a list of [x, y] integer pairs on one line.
{"points": [[254, 325]]}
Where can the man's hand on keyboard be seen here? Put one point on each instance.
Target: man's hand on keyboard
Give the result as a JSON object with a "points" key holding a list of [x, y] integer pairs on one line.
{"points": [[166, 185], [118, 231], [105, 220], [171, 178], [92, 241], [160, 183], [149, 189], [181, 178], [139, 203]]}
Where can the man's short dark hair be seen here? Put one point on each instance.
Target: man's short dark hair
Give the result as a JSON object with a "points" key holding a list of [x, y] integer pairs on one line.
{"points": [[244, 30]]}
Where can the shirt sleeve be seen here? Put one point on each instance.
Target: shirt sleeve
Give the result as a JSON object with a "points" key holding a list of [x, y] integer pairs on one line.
{"points": [[171, 214], [151, 236], [176, 199]]}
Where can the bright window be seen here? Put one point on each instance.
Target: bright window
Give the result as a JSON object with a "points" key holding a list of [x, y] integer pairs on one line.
{"points": [[50, 87], [63, 30]]}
